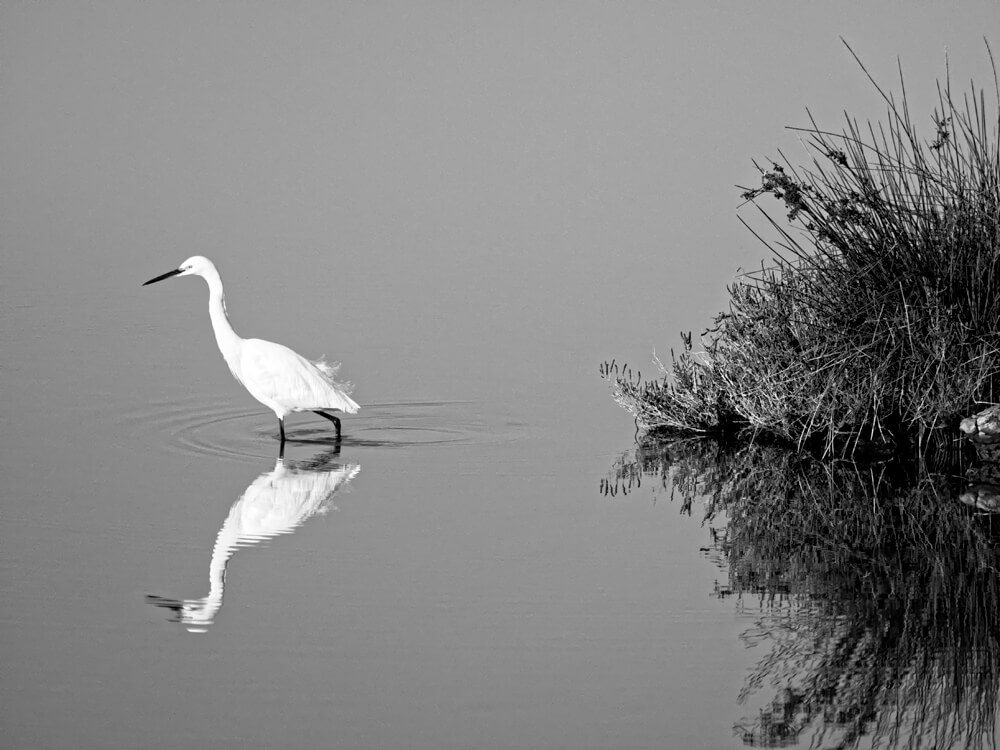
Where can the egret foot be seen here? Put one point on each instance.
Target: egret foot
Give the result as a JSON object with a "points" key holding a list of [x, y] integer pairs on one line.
{"points": [[335, 420]]}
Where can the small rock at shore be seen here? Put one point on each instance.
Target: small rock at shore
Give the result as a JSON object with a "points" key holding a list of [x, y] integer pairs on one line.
{"points": [[982, 497], [983, 427]]}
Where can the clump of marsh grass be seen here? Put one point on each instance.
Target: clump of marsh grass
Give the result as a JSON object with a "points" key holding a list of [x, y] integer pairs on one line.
{"points": [[685, 397], [877, 320]]}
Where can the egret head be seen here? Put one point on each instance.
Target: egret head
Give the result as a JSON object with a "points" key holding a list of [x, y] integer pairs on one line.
{"points": [[196, 265]]}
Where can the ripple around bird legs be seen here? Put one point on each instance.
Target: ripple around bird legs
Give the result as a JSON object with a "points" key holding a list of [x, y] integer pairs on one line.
{"points": [[200, 425], [398, 425], [237, 430]]}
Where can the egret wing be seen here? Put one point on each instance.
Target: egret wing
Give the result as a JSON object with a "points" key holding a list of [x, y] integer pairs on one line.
{"points": [[272, 372]]}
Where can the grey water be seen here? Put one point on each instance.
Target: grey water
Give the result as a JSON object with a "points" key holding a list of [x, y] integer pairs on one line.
{"points": [[495, 570], [449, 575], [470, 207]]}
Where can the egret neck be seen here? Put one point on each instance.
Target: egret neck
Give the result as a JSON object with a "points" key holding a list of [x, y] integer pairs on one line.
{"points": [[225, 336]]}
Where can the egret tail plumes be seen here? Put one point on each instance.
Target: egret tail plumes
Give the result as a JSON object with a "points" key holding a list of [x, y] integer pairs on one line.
{"points": [[328, 370]]}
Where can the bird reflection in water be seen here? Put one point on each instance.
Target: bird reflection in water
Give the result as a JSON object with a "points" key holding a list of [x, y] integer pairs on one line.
{"points": [[277, 502]]}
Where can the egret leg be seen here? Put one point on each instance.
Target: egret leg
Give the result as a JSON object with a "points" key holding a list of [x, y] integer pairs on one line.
{"points": [[281, 448], [335, 420]]}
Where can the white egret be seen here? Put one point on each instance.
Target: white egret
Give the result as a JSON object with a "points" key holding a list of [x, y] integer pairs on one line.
{"points": [[276, 376]]}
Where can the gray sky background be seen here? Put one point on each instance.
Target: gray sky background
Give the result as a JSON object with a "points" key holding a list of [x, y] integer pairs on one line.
{"points": [[512, 184]]}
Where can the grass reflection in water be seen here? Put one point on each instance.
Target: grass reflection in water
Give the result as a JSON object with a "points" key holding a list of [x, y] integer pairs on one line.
{"points": [[878, 590]]}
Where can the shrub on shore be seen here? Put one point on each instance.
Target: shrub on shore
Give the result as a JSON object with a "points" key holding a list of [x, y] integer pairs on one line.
{"points": [[877, 320]]}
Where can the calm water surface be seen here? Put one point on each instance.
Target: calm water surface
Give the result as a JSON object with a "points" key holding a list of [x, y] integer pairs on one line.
{"points": [[488, 571], [451, 575]]}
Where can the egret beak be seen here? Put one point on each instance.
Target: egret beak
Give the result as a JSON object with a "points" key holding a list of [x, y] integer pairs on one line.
{"points": [[166, 275]]}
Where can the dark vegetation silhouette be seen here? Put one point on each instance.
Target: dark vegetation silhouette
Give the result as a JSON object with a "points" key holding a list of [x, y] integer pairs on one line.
{"points": [[874, 590], [875, 322]]}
